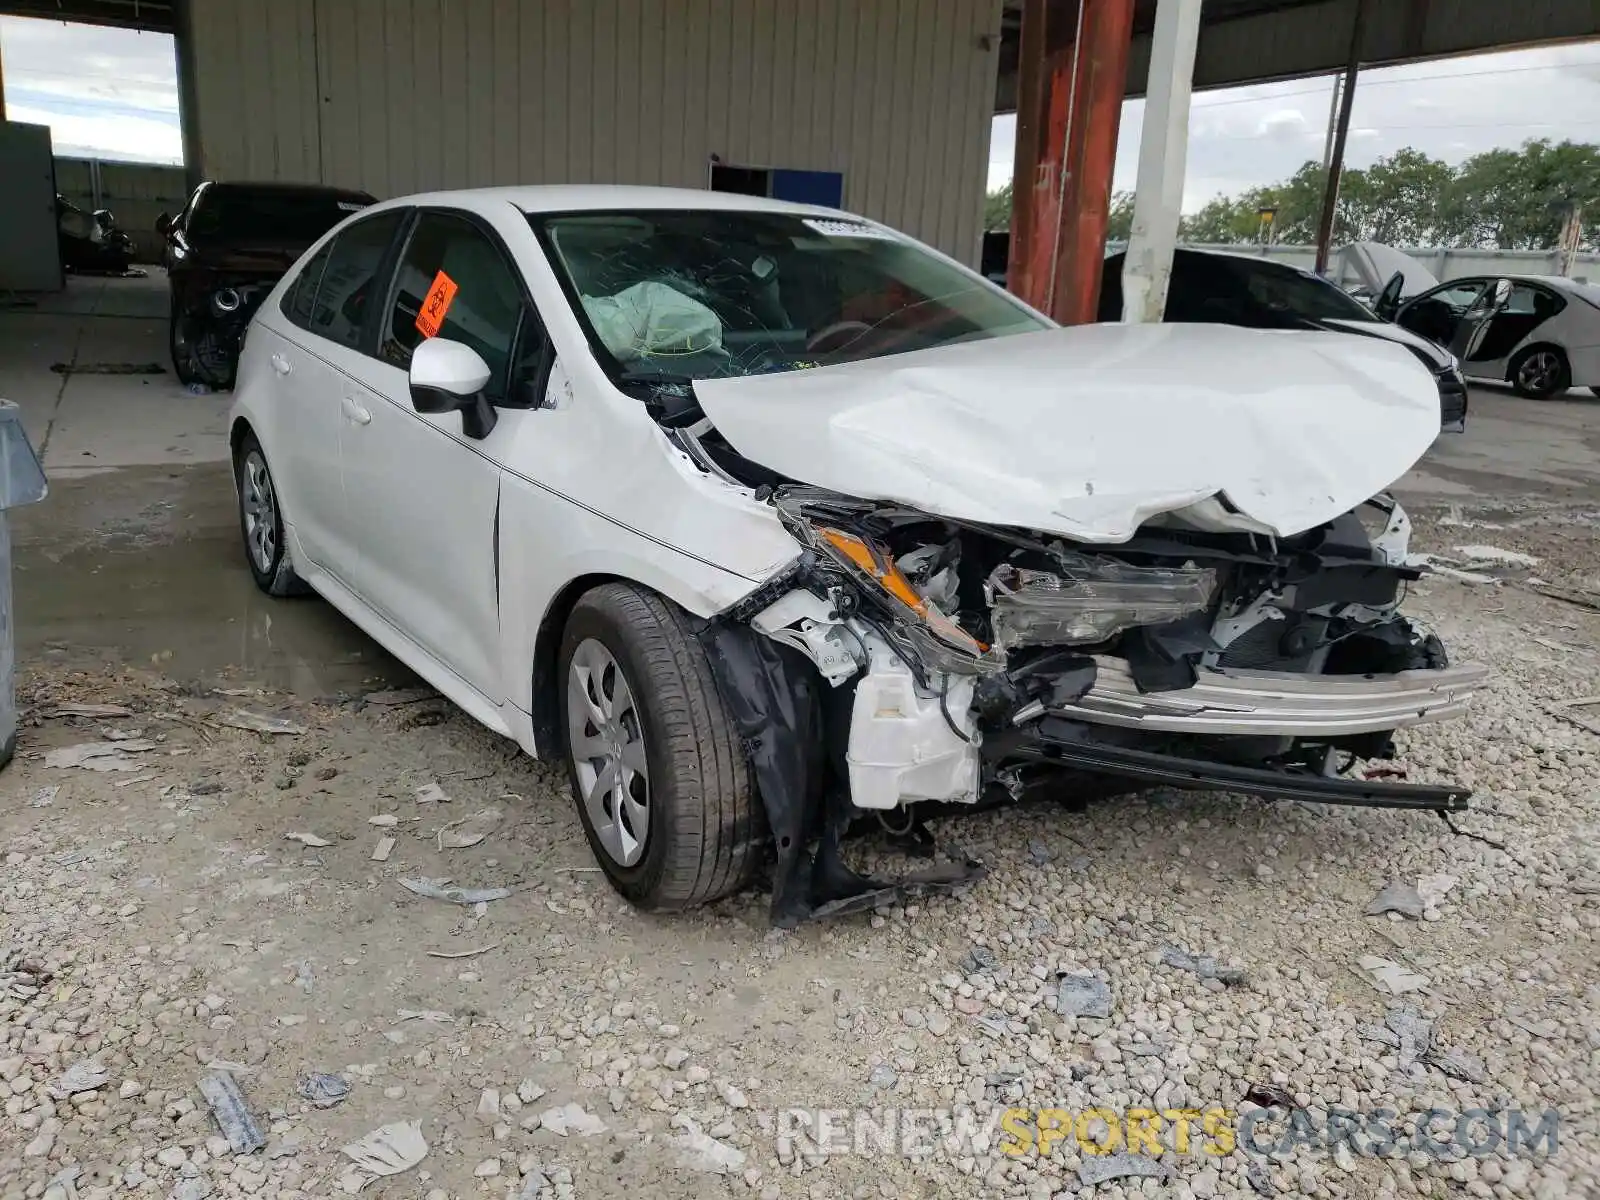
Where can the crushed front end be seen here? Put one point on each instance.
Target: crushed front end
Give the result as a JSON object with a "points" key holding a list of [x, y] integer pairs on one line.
{"points": [[958, 660]]}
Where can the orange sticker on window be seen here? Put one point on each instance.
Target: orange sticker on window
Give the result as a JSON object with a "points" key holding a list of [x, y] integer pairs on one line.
{"points": [[436, 304]]}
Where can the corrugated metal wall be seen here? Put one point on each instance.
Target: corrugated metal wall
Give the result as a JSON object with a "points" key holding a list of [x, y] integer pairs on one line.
{"points": [[398, 96]]}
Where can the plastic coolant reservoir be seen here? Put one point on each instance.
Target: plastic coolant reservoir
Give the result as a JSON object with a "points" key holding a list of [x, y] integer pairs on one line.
{"points": [[901, 748]]}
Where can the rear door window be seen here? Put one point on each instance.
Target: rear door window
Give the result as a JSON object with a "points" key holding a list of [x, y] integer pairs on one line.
{"points": [[302, 293], [350, 279]]}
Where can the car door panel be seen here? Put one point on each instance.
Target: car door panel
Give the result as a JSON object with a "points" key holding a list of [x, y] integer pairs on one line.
{"points": [[1528, 309], [421, 496], [302, 437], [421, 506], [1437, 315]]}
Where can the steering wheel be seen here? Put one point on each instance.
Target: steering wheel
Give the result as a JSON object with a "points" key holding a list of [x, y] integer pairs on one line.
{"points": [[817, 341]]}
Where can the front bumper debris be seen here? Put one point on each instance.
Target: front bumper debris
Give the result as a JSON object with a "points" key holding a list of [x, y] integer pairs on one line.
{"points": [[1063, 744], [1277, 703]]}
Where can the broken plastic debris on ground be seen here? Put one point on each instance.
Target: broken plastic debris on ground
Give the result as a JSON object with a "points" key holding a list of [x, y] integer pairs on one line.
{"points": [[387, 1150], [100, 756], [232, 1113], [1391, 977]]}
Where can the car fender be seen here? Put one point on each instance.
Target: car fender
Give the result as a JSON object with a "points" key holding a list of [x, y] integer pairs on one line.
{"points": [[552, 549]]}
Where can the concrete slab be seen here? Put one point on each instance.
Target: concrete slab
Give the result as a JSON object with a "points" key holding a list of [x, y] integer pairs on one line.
{"points": [[53, 355], [1514, 449]]}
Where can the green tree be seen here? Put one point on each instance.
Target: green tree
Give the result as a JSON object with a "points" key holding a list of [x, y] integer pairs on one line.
{"points": [[1516, 199], [1120, 224], [997, 208], [1505, 199], [1396, 200]]}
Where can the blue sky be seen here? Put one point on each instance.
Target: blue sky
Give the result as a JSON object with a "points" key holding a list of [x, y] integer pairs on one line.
{"points": [[114, 93]]}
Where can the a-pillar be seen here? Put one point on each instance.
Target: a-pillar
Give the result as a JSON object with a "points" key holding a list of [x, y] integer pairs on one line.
{"points": [[1068, 109]]}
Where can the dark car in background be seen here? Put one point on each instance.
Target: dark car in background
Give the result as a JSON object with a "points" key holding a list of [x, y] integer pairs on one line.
{"points": [[1237, 289], [225, 250]]}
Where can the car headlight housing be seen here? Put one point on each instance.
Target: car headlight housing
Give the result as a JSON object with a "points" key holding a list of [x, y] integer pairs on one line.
{"points": [[1090, 600]]}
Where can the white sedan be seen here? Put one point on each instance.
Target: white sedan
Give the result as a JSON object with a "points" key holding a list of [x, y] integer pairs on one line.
{"points": [[1543, 338], [767, 518]]}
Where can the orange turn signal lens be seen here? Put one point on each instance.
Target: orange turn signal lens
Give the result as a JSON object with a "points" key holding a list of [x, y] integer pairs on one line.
{"points": [[882, 570]]}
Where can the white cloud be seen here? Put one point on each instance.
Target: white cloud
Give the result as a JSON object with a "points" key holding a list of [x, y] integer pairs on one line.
{"points": [[109, 136], [1285, 124]]}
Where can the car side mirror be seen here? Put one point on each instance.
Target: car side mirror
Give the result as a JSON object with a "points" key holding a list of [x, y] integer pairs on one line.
{"points": [[448, 376], [163, 223]]}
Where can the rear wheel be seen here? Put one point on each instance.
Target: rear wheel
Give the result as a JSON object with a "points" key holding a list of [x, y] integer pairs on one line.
{"points": [[1540, 372], [200, 353], [659, 775], [261, 523]]}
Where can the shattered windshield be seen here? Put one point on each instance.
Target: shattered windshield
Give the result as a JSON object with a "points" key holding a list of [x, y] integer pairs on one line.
{"points": [[678, 295]]}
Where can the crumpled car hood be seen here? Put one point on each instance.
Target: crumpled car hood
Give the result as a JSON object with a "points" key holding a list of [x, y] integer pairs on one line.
{"points": [[1088, 432]]}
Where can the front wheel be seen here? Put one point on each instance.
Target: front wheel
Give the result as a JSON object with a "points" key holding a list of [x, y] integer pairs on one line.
{"points": [[1540, 372], [659, 775]]}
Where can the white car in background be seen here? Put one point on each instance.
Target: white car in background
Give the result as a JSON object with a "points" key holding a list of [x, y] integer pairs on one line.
{"points": [[1543, 339], [768, 519]]}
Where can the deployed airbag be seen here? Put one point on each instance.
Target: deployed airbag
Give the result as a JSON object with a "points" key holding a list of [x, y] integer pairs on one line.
{"points": [[1088, 432], [653, 319]]}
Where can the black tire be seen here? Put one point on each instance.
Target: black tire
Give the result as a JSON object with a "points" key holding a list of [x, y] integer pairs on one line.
{"points": [[198, 355], [272, 570], [706, 834], [1548, 383]]}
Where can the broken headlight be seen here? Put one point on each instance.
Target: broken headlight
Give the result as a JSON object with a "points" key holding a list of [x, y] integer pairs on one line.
{"points": [[1090, 599], [936, 640]]}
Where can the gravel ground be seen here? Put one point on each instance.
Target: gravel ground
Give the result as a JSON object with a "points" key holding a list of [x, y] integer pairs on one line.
{"points": [[157, 921]]}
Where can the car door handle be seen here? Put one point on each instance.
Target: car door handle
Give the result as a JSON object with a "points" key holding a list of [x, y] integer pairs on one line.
{"points": [[355, 411], [280, 364]]}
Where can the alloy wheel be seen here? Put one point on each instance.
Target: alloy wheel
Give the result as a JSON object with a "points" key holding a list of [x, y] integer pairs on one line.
{"points": [[606, 739], [260, 505], [1540, 371]]}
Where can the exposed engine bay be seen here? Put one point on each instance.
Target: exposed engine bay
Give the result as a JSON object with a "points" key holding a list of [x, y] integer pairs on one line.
{"points": [[958, 661], [1005, 579]]}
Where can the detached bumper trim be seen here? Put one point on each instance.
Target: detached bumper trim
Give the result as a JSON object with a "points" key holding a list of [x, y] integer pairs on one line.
{"points": [[1277, 703], [1199, 775]]}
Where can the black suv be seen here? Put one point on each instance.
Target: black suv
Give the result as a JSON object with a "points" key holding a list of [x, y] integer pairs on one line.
{"points": [[225, 250]]}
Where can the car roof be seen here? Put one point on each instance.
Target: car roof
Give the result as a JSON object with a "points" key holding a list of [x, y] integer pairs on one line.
{"points": [[1559, 282], [601, 197], [299, 189], [1259, 260]]}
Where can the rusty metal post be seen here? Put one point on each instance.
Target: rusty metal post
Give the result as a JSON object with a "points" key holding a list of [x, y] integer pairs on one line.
{"points": [[1341, 133], [1032, 97], [1097, 75]]}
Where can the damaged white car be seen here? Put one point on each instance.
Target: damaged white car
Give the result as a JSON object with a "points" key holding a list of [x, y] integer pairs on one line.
{"points": [[768, 519]]}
